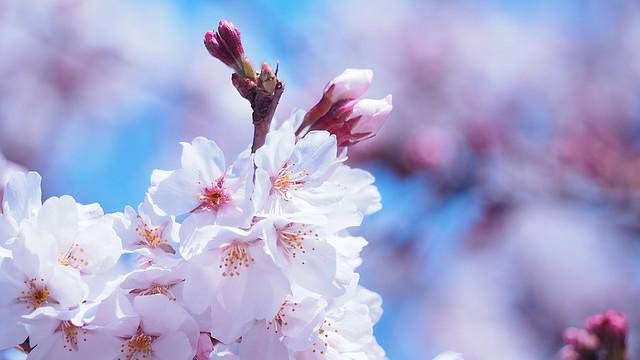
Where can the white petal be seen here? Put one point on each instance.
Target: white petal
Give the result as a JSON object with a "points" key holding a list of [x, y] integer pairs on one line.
{"points": [[177, 194], [101, 248], [67, 287], [22, 195], [173, 346], [316, 153], [260, 343], [204, 156], [275, 152], [59, 217]]}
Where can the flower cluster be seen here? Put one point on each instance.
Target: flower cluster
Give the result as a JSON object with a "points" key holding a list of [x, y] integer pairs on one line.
{"points": [[261, 261], [247, 259], [604, 337]]}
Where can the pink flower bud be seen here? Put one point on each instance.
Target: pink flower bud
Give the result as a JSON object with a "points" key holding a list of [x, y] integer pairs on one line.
{"points": [[610, 327], [226, 46], [351, 84], [352, 121]]}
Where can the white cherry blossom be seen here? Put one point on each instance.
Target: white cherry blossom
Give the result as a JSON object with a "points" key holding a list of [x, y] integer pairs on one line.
{"points": [[229, 269], [308, 256], [30, 280], [291, 176], [204, 189], [346, 331], [290, 330], [148, 233], [89, 331], [165, 331]]}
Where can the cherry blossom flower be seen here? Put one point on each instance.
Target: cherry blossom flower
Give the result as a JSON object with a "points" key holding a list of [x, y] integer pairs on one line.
{"points": [[353, 121], [307, 254], [346, 331], [203, 189], [89, 331], [251, 260], [288, 331], [165, 331], [229, 269], [291, 176], [148, 233]]}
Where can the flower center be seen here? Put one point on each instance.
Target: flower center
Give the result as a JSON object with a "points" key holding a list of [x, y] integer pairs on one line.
{"points": [[139, 346], [287, 180], [152, 237], [321, 344], [36, 295], [157, 289], [235, 256], [291, 239], [280, 320], [213, 197], [71, 333], [73, 257]]}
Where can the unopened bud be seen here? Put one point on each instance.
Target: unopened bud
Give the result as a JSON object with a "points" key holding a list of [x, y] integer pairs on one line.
{"points": [[352, 121], [226, 46], [267, 79], [611, 328], [351, 84]]}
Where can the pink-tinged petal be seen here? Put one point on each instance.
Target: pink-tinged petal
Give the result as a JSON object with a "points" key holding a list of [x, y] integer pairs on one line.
{"points": [[316, 268], [11, 282], [204, 156], [177, 194], [351, 84], [173, 346], [205, 347], [198, 289], [206, 237], [262, 343], [262, 280], [97, 249], [228, 326], [59, 217], [159, 315], [67, 288], [372, 114], [34, 252], [315, 154], [115, 316], [12, 331], [275, 152], [299, 318]]}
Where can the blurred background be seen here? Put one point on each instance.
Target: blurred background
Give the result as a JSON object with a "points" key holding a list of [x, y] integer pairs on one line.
{"points": [[509, 169]]}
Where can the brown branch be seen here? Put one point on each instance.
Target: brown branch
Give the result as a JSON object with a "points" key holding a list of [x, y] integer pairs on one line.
{"points": [[263, 103], [264, 107]]}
